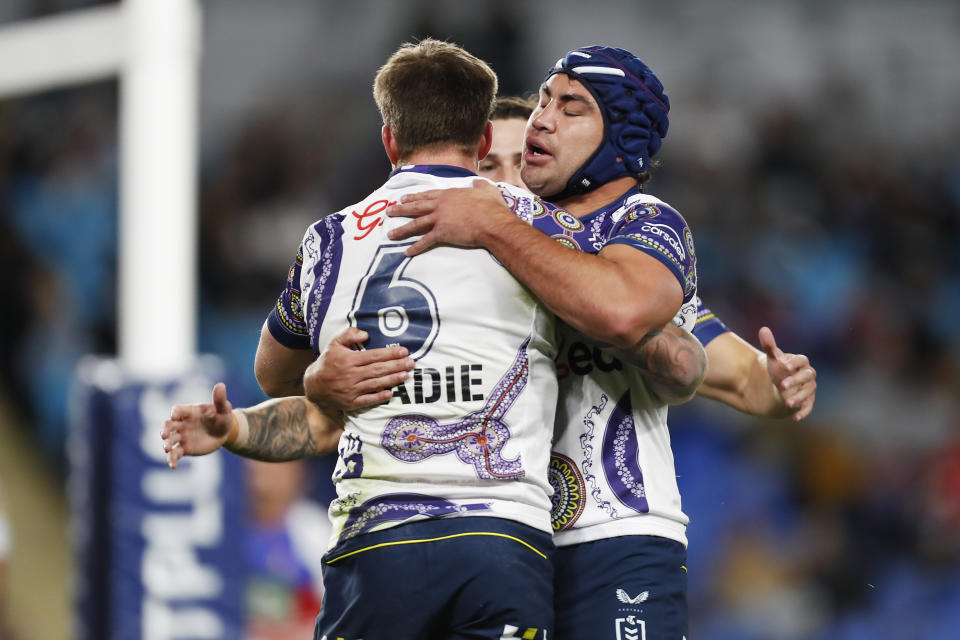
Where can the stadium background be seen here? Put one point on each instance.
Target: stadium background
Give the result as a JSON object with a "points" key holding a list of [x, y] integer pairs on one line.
{"points": [[814, 148]]}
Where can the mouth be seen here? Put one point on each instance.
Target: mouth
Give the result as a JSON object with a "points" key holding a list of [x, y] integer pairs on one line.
{"points": [[535, 152]]}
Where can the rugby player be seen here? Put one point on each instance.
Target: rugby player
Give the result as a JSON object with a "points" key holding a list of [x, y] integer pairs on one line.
{"points": [[617, 517], [469, 436], [509, 118], [768, 383]]}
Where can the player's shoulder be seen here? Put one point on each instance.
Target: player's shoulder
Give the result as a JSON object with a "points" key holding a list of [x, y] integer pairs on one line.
{"points": [[651, 225], [647, 215], [643, 206]]}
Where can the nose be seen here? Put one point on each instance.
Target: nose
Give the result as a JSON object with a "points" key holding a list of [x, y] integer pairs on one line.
{"points": [[543, 118]]}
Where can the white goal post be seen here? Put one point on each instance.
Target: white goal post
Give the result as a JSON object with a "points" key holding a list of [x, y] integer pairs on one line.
{"points": [[153, 48]]}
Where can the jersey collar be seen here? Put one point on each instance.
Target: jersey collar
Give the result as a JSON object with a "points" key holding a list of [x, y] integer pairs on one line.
{"points": [[438, 170]]}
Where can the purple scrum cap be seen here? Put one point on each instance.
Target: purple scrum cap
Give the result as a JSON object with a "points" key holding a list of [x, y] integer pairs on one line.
{"points": [[634, 110]]}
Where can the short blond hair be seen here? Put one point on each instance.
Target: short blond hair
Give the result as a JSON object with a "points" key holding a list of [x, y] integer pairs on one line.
{"points": [[434, 94]]}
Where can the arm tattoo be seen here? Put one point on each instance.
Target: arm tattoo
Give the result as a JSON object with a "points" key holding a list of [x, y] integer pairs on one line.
{"points": [[279, 431], [673, 364]]}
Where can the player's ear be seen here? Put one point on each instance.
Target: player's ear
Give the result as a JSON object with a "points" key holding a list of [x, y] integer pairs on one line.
{"points": [[390, 145], [486, 140]]}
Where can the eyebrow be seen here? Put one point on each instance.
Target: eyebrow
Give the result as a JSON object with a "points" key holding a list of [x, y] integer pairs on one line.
{"points": [[568, 97]]}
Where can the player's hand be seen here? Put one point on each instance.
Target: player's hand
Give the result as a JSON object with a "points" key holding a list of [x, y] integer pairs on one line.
{"points": [[793, 376], [197, 429], [344, 378], [457, 217]]}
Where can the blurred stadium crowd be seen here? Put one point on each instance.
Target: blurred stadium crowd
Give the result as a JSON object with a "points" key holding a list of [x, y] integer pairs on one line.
{"points": [[846, 526]]}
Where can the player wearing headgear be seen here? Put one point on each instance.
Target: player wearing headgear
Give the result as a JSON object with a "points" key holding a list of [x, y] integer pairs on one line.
{"points": [[446, 485], [571, 236], [768, 383], [617, 517]]}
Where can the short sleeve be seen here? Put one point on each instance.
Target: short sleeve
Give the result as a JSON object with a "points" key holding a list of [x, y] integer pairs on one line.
{"points": [[285, 322], [708, 325], [661, 232]]}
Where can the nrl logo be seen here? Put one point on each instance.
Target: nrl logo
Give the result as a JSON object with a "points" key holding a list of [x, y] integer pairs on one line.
{"points": [[630, 628], [623, 597]]}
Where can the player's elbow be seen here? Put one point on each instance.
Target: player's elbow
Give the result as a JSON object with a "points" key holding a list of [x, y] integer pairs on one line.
{"points": [[272, 388], [272, 384], [684, 378], [625, 326], [689, 379], [279, 369]]}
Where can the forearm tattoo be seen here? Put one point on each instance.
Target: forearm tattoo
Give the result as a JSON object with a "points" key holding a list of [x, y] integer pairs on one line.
{"points": [[279, 431], [673, 362]]}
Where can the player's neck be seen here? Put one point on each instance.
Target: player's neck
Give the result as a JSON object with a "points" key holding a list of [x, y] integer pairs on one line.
{"points": [[449, 156], [586, 203]]}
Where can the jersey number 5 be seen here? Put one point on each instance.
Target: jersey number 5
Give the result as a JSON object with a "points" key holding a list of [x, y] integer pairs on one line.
{"points": [[394, 309]]}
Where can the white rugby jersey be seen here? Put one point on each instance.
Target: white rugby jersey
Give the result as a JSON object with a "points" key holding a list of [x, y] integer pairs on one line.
{"points": [[612, 466], [469, 432]]}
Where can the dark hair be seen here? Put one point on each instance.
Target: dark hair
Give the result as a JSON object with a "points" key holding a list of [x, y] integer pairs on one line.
{"points": [[434, 93]]}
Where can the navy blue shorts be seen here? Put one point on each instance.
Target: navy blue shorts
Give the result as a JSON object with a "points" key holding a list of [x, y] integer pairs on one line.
{"points": [[473, 578], [624, 588]]}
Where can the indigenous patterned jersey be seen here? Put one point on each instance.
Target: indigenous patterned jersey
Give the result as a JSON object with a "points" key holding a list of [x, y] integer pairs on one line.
{"points": [[612, 467], [468, 434], [708, 326]]}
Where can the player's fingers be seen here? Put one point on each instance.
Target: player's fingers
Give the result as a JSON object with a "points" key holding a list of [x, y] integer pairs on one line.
{"points": [[416, 227], [422, 245], [220, 403], [173, 458], [769, 343], [801, 374], [796, 361], [373, 385], [168, 428], [412, 208], [170, 441], [804, 411], [419, 196], [800, 394], [380, 369], [373, 399], [182, 411], [349, 337], [396, 354]]}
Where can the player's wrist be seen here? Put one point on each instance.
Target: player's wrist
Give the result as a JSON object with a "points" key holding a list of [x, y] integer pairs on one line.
{"points": [[498, 228], [239, 433]]}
